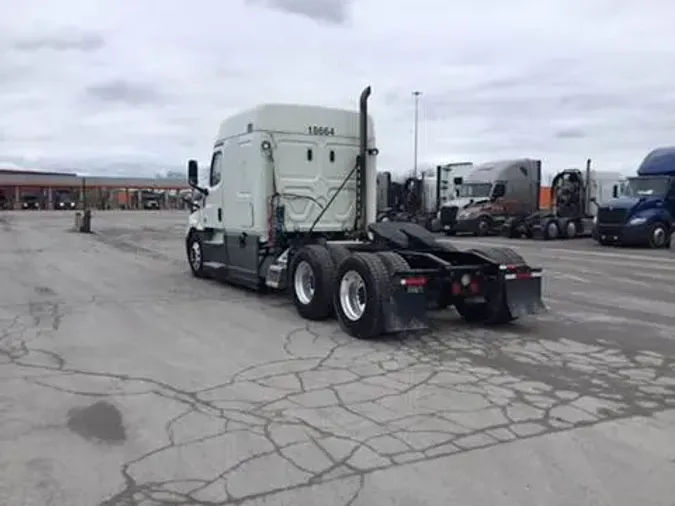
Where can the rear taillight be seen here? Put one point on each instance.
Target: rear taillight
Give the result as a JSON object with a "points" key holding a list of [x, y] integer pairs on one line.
{"points": [[511, 272], [414, 281]]}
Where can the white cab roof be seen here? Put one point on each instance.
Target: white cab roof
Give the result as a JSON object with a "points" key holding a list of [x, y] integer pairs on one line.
{"points": [[606, 175], [293, 119]]}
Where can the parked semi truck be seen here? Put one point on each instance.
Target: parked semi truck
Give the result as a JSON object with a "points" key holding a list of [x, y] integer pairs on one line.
{"points": [[644, 214], [575, 197], [494, 192], [419, 199], [290, 205], [450, 201]]}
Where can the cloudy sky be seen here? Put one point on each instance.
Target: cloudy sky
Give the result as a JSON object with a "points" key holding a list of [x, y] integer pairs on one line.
{"points": [[115, 86]]}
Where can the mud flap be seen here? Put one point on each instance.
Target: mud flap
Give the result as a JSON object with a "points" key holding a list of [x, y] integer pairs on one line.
{"points": [[406, 308], [523, 294]]}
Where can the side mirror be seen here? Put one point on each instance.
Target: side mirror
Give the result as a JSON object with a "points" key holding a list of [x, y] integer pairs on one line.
{"points": [[615, 191], [458, 180], [498, 192], [193, 173]]}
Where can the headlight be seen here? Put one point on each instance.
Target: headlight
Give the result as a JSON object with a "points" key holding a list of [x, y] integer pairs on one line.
{"points": [[639, 220]]}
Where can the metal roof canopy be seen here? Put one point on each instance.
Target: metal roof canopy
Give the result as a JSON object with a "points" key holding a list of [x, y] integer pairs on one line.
{"points": [[56, 180]]}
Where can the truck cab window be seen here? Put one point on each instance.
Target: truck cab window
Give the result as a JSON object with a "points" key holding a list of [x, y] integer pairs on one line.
{"points": [[499, 190], [216, 173], [671, 191]]}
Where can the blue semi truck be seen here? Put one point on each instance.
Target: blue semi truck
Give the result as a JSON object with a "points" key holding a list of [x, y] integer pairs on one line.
{"points": [[644, 213]]}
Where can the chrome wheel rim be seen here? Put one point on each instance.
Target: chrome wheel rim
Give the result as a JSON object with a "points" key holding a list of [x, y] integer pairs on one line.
{"points": [[353, 295], [195, 255], [552, 230], [659, 236], [303, 282], [571, 229]]}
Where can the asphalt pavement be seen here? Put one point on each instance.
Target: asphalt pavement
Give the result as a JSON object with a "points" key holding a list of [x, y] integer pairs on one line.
{"points": [[124, 381]]}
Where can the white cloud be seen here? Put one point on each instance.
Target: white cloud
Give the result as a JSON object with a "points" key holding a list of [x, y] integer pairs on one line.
{"points": [[128, 87]]}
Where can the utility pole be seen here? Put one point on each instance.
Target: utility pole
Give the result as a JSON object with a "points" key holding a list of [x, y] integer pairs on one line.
{"points": [[416, 94]]}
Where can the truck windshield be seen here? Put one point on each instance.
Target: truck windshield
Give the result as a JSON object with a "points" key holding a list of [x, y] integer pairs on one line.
{"points": [[475, 190], [646, 187]]}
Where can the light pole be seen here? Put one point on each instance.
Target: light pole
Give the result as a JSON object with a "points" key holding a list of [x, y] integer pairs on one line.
{"points": [[416, 94]]}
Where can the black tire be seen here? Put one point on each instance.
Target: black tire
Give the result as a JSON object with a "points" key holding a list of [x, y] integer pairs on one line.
{"points": [[659, 236], [484, 226], [396, 263], [511, 228], [393, 262], [549, 227], [373, 271], [194, 248], [495, 311], [338, 253], [317, 305]]}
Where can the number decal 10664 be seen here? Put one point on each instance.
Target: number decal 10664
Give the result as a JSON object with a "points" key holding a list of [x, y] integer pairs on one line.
{"points": [[320, 130]]}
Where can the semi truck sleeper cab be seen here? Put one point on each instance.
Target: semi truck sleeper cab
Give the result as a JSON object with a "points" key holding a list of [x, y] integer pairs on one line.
{"points": [[290, 206], [645, 212]]}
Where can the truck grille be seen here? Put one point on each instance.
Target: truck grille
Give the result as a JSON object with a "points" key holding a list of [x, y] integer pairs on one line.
{"points": [[448, 215], [607, 215]]}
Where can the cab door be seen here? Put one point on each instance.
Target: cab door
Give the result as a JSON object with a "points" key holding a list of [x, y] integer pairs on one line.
{"points": [[670, 200], [212, 215]]}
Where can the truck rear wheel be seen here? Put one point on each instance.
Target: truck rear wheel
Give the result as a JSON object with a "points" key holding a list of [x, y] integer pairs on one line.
{"points": [[494, 311], [338, 253], [362, 287], [393, 262], [312, 281]]}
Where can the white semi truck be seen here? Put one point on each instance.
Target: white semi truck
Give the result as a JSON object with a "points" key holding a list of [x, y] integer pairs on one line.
{"points": [[290, 204]]}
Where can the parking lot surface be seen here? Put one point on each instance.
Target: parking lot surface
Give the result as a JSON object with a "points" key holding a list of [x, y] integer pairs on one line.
{"points": [[124, 381]]}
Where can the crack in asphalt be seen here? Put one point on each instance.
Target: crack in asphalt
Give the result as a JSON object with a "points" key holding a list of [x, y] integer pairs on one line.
{"points": [[337, 409]]}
